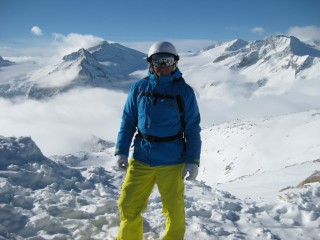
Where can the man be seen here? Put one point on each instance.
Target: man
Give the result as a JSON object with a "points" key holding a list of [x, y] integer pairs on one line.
{"points": [[163, 110]]}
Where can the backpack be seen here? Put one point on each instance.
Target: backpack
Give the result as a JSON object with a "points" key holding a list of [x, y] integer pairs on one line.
{"points": [[180, 104]]}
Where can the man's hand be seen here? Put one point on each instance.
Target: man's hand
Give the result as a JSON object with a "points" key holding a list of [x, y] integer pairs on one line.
{"points": [[192, 169], [122, 161]]}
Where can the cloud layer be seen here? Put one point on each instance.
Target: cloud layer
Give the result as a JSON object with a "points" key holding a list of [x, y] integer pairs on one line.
{"points": [[61, 124]]}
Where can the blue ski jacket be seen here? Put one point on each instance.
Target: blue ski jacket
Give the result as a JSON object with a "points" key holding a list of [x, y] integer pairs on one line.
{"points": [[158, 116]]}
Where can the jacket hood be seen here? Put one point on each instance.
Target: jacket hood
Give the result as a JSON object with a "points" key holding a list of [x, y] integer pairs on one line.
{"points": [[165, 79]]}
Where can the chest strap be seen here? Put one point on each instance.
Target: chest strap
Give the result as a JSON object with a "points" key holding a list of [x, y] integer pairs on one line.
{"points": [[156, 96], [160, 139]]}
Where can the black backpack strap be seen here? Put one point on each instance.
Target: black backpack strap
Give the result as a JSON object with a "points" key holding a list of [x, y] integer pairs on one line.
{"points": [[182, 120], [156, 95], [156, 139], [180, 79], [181, 110]]}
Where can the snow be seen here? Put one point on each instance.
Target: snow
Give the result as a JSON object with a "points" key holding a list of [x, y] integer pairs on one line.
{"points": [[260, 133], [260, 145], [79, 201]]}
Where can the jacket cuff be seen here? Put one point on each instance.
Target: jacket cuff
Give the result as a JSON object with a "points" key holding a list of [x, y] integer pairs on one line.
{"points": [[193, 161], [118, 152]]}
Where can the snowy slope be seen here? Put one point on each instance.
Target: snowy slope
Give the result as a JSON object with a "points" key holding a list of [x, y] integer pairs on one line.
{"points": [[256, 158], [63, 202], [260, 145]]}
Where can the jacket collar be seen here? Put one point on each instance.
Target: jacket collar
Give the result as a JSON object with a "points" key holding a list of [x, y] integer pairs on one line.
{"points": [[164, 79]]}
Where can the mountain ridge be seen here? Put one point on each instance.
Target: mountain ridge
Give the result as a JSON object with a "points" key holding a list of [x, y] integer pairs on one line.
{"points": [[280, 46], [109, 65]]}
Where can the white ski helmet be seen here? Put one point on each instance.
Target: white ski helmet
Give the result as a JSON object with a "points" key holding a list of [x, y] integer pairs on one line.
{"points": [[162, 47]]}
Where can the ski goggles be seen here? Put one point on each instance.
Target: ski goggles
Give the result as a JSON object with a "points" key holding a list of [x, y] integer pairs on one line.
{"points": [[158, 59]]}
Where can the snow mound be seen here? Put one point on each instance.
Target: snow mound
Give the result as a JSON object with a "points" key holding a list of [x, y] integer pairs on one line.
{"points": [[23, 164], [39, 197]]}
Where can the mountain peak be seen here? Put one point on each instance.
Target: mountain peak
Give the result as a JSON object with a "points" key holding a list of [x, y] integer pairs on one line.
{"points": [[301, 49], [236, 44], [291, 44], [80, 54], [105, 50]]}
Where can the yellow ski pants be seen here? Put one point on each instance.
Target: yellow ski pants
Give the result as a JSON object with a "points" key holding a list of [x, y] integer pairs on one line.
{"points": [[136, 189]]}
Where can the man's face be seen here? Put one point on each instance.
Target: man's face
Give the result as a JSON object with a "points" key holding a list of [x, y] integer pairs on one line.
{"points": [[163, 70], [163, 64]]}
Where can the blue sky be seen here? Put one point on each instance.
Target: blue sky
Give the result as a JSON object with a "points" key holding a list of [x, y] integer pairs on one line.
{"points": [[147, 21]]}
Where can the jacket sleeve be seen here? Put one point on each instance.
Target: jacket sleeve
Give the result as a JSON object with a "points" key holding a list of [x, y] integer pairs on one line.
{"points": [[128, 124], [192, 128]]}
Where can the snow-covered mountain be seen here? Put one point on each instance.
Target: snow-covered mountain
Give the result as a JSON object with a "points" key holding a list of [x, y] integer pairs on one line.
{"points": [[100, 66], [231, 46], [270, 77], [263, 50], [277, 60], [45, 199], [106, 65]]}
